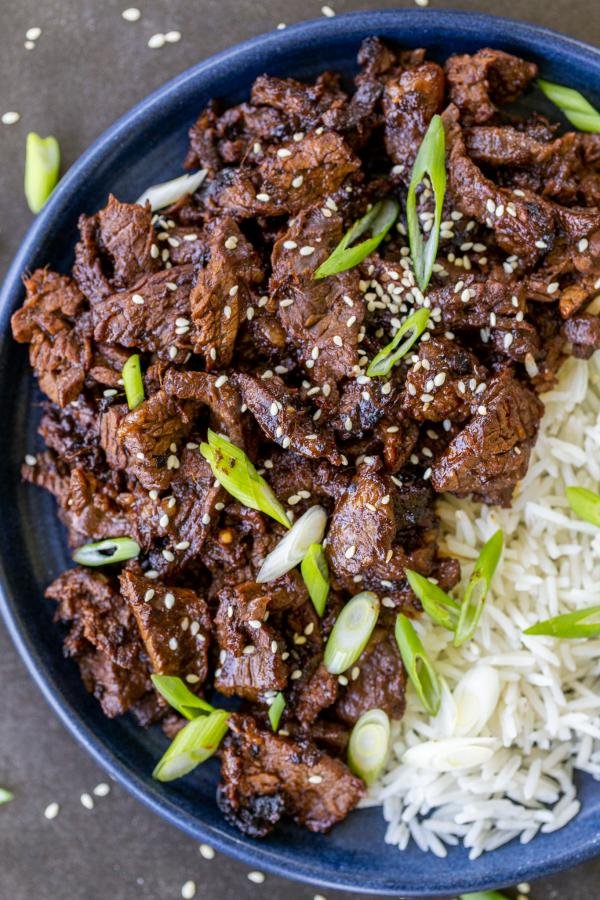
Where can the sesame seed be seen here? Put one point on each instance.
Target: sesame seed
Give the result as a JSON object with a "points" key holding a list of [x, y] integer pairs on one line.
{"points": [[168, 556], [156, 41], [306, 251], [10, 118], [297, 136], [552, 287], [287, 302], [490, 206], [52, 810], [439, 379], [289, 245], [337, 340], [205, 519], [172, 37], [256, 877], [350, 551], [221, 380], [32, 34], [169, 600], [283, 153], [102, 789], [541, 245], [231, 242], [263, 198], [149, 595], [212, 353], [30, 460], [188, 890], [297, 181], [131, 14], [508, 339], [250, 313], [172, 462], [227, 311], [426, 474], [296, 674], [163, 521], [583, 245], [328, 12], [87, 801], [342, 680]]}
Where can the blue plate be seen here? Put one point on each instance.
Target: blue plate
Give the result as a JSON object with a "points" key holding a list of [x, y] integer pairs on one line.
{"points": [[144, 147]]}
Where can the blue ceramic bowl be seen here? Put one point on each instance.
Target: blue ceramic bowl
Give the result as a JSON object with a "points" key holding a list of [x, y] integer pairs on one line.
{"points": [[144, 147]]}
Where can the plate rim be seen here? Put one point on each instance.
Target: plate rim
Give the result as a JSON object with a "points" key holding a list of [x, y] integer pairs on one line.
{"points": [[471, 24]]}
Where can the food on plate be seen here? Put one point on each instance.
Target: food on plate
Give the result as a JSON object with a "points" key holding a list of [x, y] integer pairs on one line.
{"points": [[291, 404]]}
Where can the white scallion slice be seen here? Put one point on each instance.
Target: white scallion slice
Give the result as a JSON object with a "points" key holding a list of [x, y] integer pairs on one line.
{"points": [[369, 745], [161, 195], [476, 696], [293, 547], [178, 695], [451, 754], [192, 745], [351, 632], [110, 550]]}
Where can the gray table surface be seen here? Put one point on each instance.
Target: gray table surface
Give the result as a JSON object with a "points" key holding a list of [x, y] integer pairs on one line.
{"points": [[87, 68]]}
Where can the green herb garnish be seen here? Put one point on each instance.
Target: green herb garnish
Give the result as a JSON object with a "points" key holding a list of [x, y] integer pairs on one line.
{"points": [[194, 744], [573, 105], [42, 165], [378, 221], [276, 711], [234, 471], [477, 588], [132, 381], [351, 632], [369, 744], [179, 696], [387, 358], [316, 576], [484, 895], [431, 161], [585, 504], [110, 550], [418, 665], [5, 796], [438, 605], [583, 623]]}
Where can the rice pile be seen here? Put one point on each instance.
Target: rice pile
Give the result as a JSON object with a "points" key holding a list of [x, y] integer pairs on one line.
{"points": [[547, 719]]}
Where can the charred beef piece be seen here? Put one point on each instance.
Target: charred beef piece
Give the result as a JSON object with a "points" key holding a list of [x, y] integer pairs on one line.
{"points": [[409, 103], [54, 324], [443, 383], [489, 456], [316, 690], [265, 777], [379, 682], [104, 639], [174, 625], [115, 249], [583, 331], [221, 397], [223, 291], [478, 83]]}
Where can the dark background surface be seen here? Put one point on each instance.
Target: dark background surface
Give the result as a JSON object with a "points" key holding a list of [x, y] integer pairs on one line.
{"points": [[88, 67]]}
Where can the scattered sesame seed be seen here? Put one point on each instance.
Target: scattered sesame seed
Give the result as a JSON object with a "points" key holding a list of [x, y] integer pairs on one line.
{"points": [[281, 26], [156, 41], [298, 180], [169, 600], [205, 519], [148, 596], [583, 245], [296, 674], [10, 118], [342, 680], [87, 801], [131, 14], [188, 890], [263, 198], [52, 810], [221, 380], [32, 34], [552, 287], [206, 851], [524, 887], [422, 2], [163, 521], [102, 789], [30, 460], [306, 251], [168, 556], [328, 12], [173, 644], [231, 242], [350, 551], [337, 340], [256, 877], [172, 37]]}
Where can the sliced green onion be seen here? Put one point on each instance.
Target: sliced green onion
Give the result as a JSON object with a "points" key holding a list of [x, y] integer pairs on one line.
{"points": [[369, 745], [378, 221], [294, 545], [585, 504], [234, 471], [316, 576], [169, 192], [5, 796], [418, 665], [192, 745], [575, 107], [477, 588], [42, 165], [132, 381], [414, 327], [438, 605], [431, 160], [179, 696], [111, 550], [579, 624], [351, 632], [484, 895], [276, 711]]}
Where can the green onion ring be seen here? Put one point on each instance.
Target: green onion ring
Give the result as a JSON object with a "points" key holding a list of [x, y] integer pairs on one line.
{"points": [[351, 632], [418, 665], [110, 550], [369, 745], [378, 220]]}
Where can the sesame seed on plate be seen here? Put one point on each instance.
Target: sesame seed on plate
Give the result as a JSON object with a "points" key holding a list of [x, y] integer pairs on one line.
{"points": [[172, 37], [11, 117], [32, 34], [256, 877], [131, 14], [87, 801], [30, 460], [328, 12], [102, 789], [188, 890], [156, 41], [52, 810]]}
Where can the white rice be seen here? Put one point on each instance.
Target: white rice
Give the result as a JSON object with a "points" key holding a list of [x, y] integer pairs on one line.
{"points": [[547, 720]]}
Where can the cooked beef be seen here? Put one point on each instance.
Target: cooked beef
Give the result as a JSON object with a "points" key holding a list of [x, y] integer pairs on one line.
{"points": [[218, 295], [265, 777]]}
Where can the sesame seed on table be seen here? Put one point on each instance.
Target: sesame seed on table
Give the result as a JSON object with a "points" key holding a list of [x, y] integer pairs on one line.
{"points": [[70, 68]]}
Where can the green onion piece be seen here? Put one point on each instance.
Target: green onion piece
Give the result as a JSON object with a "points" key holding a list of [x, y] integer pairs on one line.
{"points": [[234, 471], [414, 327], [351, 632], [477, 588], [585, 504], [132, 381], [572, 104], [418, 665], [276, 711], [192, 745], [111, 550], [438, 605], [579, 624], [5, 796], [431, 160], [178, 695], [316, 576], [369, 745], [378, 221], [42, 164], [484, 895]]}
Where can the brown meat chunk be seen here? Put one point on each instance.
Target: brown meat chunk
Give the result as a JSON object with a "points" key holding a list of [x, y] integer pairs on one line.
{"points": [[265, 776], [489, 456], [583, 331], [301, 105], [409, 103], [224, 401], [174, 624], [443, 383], [115, 249], [153, 316], [282, 418], [479, 83], [110, 421], [380, 683], [53, 322], [315, 691], [222, 293]]}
